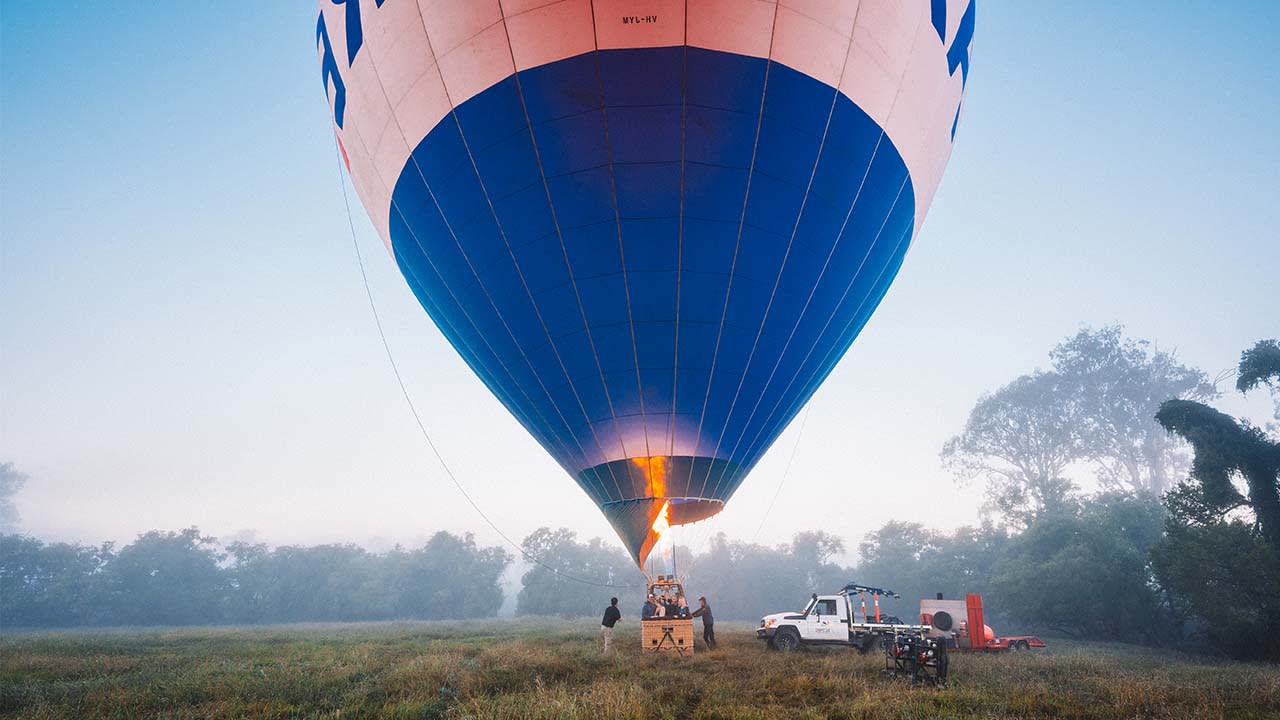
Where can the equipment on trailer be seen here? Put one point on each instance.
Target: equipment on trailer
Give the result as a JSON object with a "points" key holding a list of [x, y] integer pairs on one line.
{"points": [[875, 592], [667, 634], [962, 625]]}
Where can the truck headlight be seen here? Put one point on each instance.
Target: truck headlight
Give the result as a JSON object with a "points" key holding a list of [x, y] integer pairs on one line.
{"points": [[769, 623]]}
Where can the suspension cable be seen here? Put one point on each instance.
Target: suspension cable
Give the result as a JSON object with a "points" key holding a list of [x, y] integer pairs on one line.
{"points": [[413, 410], [786, 471]]}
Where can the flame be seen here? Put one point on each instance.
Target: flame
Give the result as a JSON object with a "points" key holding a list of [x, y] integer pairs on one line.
{"points": [[662, 523], [655, 474]]}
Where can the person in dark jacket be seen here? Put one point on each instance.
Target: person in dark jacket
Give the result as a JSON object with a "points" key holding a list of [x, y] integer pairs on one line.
{"points": [[708, 623], [649, 608], [611, 617], [669, 607]]}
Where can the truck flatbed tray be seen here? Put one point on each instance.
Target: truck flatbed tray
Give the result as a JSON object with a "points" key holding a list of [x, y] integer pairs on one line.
{"points": [[888, 627]]}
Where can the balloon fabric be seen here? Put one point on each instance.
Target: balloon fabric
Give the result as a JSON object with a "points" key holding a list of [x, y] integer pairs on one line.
{"points": [[651, 228]]}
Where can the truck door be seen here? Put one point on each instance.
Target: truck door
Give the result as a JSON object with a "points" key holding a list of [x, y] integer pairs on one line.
{"points": [[825, 622]]}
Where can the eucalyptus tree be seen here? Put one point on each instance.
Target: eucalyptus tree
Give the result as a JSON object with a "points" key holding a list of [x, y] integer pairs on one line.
{"points": [[1021, 439], [1117, 384]]}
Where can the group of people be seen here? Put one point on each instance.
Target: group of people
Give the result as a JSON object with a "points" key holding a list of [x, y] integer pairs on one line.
{"points": [[666, 606]]}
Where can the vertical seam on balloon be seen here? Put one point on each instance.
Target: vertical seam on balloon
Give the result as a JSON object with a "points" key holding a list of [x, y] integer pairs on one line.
{"points": [[883, 134], [604, 382], [444, 283], [555, 220], [746, 196], [835, 347], [827, 324], [786, 255], [821, 274], [853, 317], [488, 296], [520, 270], [434, 269], [684, 126], [416, 283], [506, 241], [479, 333], [622, 253], [617, 428], [413, 410]]}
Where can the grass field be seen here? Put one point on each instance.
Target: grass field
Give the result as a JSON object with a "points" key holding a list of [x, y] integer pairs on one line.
{"points": [[552, 669]]}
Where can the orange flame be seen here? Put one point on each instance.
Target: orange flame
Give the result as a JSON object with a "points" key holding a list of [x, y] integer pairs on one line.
{"points": [[662, 523], [654, 470]]}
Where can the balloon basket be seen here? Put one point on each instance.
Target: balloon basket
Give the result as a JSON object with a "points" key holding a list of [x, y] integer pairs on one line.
{"points": [[667, 634]]}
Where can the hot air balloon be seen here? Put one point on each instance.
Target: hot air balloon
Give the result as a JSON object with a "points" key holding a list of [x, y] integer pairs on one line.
{"points": [[651, 227]]}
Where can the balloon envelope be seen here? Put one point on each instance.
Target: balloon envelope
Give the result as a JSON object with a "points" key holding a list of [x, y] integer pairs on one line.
{"points": [[651, 227]]}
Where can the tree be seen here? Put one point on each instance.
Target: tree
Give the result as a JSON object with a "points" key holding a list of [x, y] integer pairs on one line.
{"points": [[1223, 533], [166, 578], [1087, 573], [1020, 439], [52, 585], [1226, 581], [575, 578], [1224, 450], [813, 551], [183, 578], [449, 577], [1260, 365], [744, 580], [1117, 385], [11, 481], [1094, 406], [901, 556]]}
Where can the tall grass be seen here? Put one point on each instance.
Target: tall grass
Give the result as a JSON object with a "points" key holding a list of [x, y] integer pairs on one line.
{"points": [[553, 669]]}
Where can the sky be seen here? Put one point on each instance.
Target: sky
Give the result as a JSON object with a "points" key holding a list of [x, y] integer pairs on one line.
{"points": [[185, 337]]}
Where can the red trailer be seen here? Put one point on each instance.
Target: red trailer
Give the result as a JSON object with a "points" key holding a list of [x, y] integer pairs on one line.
{"points": [[963, 624]]}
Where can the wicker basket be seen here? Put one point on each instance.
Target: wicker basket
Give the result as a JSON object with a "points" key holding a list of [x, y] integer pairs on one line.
{"points": [[667, 634]]}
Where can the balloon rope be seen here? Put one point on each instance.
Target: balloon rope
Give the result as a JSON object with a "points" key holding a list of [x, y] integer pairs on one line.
{"points": [[786, 471], [395, 369]]}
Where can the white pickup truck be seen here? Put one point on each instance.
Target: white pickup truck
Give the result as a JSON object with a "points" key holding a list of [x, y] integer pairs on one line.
{"points": [[832, 620]]}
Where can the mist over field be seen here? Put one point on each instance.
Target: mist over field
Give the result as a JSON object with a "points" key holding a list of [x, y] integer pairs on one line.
{"points": [[356, 358], [1110, 404]]}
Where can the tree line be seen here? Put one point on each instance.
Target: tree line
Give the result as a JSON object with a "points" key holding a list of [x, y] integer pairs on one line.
{"points": [[186, 578], [1177, 543], [1180, 544]]}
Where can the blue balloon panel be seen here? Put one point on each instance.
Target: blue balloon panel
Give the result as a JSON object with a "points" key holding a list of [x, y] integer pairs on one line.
{"points": [[653, 257]]}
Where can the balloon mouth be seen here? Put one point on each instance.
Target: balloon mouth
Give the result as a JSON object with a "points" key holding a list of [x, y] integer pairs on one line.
{"points": [[645, 496]]}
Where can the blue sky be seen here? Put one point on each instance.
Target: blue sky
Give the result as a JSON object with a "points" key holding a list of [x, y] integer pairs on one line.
{"points": [[184, 337]]}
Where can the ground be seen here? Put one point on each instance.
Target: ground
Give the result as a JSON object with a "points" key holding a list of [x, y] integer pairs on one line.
{"points": [[553, 669]]}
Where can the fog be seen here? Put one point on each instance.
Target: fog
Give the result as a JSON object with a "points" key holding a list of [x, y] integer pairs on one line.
{"points": [[185, 340]]}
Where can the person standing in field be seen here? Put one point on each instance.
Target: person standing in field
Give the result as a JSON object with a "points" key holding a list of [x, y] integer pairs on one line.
{"points": [[611, 617], [708, 623]]}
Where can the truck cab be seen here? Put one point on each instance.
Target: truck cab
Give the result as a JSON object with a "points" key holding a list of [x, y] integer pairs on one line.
{"points": [[826, 618], [830, 620]]}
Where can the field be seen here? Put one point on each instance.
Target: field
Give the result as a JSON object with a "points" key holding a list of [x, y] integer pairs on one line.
{"points": [[552, 669]]}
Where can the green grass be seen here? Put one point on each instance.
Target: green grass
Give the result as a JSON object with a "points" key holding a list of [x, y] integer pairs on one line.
{"points": [[552, 669]]}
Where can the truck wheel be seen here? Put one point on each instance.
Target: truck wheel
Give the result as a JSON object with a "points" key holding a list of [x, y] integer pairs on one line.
{"points": [[1021, 645], [787, 640]]}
